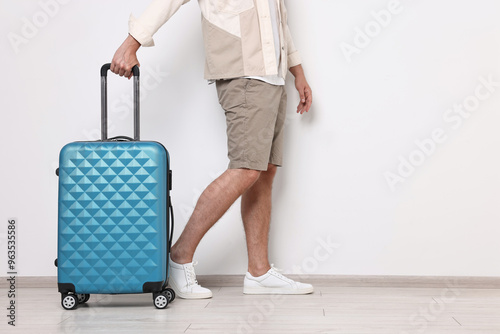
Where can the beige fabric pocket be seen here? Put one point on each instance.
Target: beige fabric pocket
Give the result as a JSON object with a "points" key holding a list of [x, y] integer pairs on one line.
{"points": [[224, 55]]}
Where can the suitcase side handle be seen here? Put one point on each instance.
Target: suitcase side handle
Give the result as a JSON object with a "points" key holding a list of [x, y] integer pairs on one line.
{"points": [[170, 235], [104, 102]]}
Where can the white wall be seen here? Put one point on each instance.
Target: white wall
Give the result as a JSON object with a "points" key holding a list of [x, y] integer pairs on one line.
{"points": [[443, 220]]}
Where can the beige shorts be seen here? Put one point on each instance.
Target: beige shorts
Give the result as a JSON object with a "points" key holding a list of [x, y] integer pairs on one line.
{"points": [[255, 118]]}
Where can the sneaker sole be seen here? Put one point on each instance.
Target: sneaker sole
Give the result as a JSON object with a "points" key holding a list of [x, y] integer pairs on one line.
{"points": [[183, 295], [276, 291]]}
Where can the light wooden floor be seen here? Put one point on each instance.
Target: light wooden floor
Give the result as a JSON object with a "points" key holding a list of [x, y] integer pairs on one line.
{"points": [[331, 309]]}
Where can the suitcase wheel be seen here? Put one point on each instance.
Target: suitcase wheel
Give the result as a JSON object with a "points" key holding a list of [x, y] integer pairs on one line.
{"points": [[170, 294], [69, 302], [160, 300], [83, 298], [57, 171]]}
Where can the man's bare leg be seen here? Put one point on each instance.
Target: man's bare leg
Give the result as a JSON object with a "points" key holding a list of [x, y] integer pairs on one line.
{"points": [[256, 214], [215, 200]]}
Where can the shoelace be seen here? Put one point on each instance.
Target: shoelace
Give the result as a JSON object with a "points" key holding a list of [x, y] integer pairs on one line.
{"points": [[191, 276], [277, 273]]}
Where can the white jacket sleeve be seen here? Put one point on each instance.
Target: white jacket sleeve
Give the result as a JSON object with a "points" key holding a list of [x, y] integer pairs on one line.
{"points": [[155, 16], [294, 58]]}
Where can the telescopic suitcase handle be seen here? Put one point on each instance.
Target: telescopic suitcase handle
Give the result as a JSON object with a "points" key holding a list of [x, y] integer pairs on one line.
{"points": [[104, 102]]}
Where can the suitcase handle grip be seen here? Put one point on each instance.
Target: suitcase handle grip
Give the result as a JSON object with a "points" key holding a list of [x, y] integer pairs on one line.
{"points": [[104, 102], [106, 67]]}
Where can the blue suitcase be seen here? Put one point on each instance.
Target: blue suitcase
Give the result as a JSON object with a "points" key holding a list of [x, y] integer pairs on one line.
{"points": [[114, 227]]}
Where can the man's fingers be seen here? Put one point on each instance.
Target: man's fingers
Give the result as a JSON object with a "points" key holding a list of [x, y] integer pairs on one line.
{"points": [[309, 99], [305, 102], [128, 70], [122, 71], [300, 108], [301, 88], [305, 95], [302, 96]]}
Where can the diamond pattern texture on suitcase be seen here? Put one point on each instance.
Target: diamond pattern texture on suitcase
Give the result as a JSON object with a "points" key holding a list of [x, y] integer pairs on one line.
{"points": [[112, 216]]}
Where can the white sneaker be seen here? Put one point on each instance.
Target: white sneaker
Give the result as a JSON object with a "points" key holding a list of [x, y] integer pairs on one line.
{"points": [[183, 280], [273, 282]]}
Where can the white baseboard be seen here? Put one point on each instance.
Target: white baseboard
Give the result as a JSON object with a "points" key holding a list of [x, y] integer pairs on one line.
{"points": [[472, 282]]}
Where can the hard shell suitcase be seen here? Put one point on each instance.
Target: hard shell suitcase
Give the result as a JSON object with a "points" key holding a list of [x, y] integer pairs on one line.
{"points": [[114, 228]]}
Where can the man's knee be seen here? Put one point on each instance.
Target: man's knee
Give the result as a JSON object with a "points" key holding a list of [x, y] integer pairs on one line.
{"points": [[248, 176], [269, 173], [271, 169]]}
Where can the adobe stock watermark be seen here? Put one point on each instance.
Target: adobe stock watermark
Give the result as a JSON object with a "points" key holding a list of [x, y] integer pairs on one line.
{"points": [[454, 118], [12, 265], [123, 107], [31, 26], [421, 319], [364, 36], [264, 309]]}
